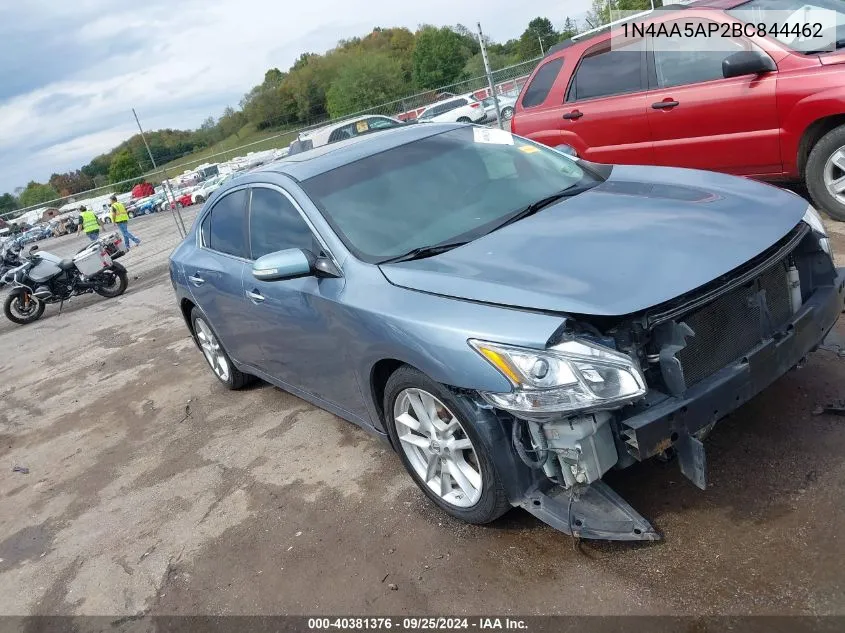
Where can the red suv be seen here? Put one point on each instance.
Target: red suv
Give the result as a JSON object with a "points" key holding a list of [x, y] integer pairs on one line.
{"points": [[758, 106]]}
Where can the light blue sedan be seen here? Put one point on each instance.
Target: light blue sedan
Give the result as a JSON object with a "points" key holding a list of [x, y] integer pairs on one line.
{"points": [[515, 322]]}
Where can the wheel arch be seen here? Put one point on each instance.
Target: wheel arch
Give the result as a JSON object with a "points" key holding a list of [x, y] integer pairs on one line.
{"points": [[813, 134]]}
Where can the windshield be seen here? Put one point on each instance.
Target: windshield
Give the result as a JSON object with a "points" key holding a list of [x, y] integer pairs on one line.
{"points": [[428, 114], [795, 14], [456, 185]]}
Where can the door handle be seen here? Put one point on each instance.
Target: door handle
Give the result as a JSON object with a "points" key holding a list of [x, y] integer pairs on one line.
{"points": [[255, 297], [575, 114], [196, 280], [665, 105]]}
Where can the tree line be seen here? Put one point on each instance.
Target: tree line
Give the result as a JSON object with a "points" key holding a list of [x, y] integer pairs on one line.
{"points": [[359, 73]]}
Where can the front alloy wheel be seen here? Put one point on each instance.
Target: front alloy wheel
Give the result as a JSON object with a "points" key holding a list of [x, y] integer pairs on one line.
{"points": [[436, 433], [437, 447]]}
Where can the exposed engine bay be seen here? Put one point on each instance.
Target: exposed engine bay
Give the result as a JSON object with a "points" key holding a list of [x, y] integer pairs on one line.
{"points": [[701, 357]]}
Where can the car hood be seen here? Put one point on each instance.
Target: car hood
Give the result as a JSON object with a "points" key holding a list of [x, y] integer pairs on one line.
{"points": [[643, 237]]}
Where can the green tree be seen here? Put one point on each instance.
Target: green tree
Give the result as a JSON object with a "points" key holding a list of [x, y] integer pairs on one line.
{"points": [[71, 182], [8, 202], [124, 166], [603, 11], [364, 81], [230, 122], [570, 29], [539, 30], [475, 64], [439, 57], [36, 193]]}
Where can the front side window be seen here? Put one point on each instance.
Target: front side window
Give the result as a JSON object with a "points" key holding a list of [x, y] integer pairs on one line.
{"points": [[453, 185], [542, 83], [341, 133], [608, 72], [227, 233], [681, 60], [275, 224]]}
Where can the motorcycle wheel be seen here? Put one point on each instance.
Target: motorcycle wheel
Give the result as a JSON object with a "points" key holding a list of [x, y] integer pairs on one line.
{"points": [[16, 311], [116, 284]]}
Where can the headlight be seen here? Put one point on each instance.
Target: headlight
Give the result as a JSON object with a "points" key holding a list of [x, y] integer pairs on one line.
{"points": [[573, 376], [812, 217]]}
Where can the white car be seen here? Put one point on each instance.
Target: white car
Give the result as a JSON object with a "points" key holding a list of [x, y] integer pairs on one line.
{"points": [[459, 110], [348, 128], [202, 193], [506, 106]]}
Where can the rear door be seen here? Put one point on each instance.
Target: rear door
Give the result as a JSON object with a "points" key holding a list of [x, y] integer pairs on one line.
{"points": [[605, 114], [701, 120], [216, 268]]}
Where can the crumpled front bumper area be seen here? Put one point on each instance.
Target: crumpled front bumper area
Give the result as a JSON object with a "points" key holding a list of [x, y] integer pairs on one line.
{"points": [[682, 422]]}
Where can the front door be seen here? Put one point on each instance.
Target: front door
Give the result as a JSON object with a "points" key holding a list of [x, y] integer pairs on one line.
{"points": [[297, 321], [701, 120]]}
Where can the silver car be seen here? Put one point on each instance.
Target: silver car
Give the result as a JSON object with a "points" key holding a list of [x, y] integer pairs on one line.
{"points": [[514, 322]]}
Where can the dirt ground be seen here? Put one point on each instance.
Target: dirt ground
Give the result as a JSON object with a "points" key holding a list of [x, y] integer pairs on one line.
{"points": [[152, 489]]}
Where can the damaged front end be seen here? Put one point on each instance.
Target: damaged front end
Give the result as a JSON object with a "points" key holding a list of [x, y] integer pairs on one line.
{"points": [[608, 392]]}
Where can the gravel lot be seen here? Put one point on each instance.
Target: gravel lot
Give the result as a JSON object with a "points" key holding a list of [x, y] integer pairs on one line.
{"points": [[257, 503]]}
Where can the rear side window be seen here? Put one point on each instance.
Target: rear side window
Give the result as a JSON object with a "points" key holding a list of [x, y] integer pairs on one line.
{"points": [[227, 233], [609, 72], [542, 83]]}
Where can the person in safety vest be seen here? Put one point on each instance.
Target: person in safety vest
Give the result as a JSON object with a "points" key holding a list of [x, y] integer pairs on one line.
{"points": [[89, 223], [120, 217]]}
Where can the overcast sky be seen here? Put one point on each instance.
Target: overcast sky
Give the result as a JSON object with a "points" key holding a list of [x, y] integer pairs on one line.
{"points": [[70, 72]]}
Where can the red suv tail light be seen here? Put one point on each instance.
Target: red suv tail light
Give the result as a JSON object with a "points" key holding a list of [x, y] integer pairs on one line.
{"points": [[474, 105]]}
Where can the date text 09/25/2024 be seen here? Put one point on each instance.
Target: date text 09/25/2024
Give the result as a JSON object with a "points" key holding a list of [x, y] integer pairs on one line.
{"points": [[416, 623]]}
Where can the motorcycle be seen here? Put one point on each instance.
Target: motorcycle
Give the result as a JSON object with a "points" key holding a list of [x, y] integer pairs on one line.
{"points": [[42, 278], [9, 257]]}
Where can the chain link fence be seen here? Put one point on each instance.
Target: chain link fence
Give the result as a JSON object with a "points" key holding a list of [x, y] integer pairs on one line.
{"points": [[507, 80]]}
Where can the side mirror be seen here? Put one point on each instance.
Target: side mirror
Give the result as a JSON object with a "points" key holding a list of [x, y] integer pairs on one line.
{"points": [[747, 63], [33, 249], [291, 263]]}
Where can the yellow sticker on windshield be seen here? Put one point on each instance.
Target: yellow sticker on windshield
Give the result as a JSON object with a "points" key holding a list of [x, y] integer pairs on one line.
{"points": [[528, 149], [362, 127]]}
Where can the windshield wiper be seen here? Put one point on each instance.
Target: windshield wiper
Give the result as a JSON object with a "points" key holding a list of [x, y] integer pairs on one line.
{"points": [[423, 251], [542, 203]]}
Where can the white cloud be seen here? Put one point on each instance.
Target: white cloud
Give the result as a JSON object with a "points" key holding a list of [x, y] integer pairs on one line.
{"points": [[179, 62]]}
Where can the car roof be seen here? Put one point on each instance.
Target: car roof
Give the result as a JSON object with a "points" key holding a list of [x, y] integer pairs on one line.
{"points": [[327, 157]]}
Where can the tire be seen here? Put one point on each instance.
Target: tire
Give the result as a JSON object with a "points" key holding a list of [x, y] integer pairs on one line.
{"points": [[464, 119], [507, 113], [131, 214], [199, 200], [12, 308], [473, 501], [116, 289], [827, 160], [231, 377]]}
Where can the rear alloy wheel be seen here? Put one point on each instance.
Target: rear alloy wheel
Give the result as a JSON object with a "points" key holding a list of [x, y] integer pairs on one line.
{"points": [[216, 356], [825, 174], [439, 447], [199, 200], [507, 113], [112, 283]]}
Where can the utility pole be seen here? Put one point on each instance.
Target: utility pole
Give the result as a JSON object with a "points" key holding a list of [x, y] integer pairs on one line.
{"points": [[177, 215], [540, 39], [489, 76]]}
